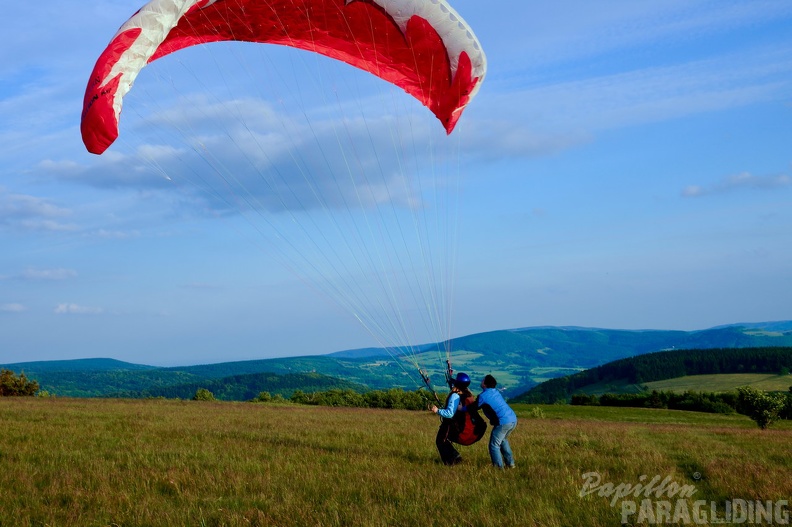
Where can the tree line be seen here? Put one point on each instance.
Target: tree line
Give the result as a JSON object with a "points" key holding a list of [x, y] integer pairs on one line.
{"points": [[395, 398], [763, 407], [247, 386]]}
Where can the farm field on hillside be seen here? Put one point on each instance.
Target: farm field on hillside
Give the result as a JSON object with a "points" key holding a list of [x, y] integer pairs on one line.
{"points": [[723, 382], [98, 462]]}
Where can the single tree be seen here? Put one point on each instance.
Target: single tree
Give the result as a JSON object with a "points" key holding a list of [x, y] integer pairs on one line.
{"points": [[16, 385], [202, 394], [764, 408]]}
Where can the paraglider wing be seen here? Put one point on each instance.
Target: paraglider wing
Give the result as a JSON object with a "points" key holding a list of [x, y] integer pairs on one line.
{"points": [[422, 46]]}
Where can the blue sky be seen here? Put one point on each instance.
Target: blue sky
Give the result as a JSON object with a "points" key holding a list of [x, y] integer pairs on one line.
{"points": [[625, 165]]}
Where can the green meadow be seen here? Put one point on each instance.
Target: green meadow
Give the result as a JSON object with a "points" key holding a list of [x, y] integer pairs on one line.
{"points": [[723, 382], [115, 462]]}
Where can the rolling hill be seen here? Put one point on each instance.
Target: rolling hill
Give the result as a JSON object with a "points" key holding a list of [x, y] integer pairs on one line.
{"points": [[518, 358]]}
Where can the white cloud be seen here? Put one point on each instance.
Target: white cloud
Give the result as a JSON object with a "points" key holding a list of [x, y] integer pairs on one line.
{"points": [[242, 155], [639, 96], [48, 274], [573, 31], [74, 309], [739, 182], [32, 213], [12, 308], [46, 225], [113, 169], [201, 286], [24, 205], [116, 235]]}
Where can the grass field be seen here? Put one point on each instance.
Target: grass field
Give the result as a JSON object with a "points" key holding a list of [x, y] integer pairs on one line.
{"points": [[94, 462], [723, 382]]}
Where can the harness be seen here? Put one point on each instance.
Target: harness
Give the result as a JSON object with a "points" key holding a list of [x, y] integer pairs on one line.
{"points": [[467, 427]]}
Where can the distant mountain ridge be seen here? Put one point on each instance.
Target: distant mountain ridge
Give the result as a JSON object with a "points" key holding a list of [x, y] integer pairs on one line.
{"points": [[247, 386], [518, 358], [98, 364], [781, 325]]}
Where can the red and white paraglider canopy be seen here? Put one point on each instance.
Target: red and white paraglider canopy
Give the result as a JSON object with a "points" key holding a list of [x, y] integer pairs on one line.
{"points": [[422, 46]]}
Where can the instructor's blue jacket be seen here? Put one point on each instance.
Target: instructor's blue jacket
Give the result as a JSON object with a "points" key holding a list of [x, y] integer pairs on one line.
{"points": [[494, 406]]}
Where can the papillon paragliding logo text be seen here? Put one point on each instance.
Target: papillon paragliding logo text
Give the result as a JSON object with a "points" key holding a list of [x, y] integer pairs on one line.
{"points": [[661, 500]]}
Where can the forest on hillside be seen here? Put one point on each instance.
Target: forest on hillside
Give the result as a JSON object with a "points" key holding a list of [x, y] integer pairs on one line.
{"points": [[664, 365]]}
